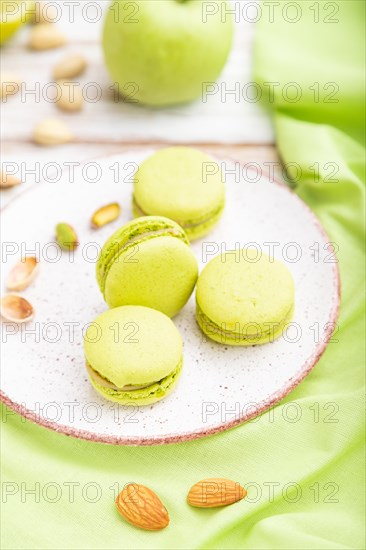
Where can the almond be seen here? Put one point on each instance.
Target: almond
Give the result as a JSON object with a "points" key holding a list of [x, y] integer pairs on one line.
{"points": [[69, 67], [45, 36], [142, 507], [71, 97], [51, 131], [8, 180], [213, 492], [9, 85]]}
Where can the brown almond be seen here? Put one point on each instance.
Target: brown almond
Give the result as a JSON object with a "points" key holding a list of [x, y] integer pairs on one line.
{"points": [[105, 214], [141, 507], [45, 36], [213, 492]]}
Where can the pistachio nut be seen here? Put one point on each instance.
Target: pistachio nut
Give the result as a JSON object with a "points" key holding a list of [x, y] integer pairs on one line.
{"points": [[105, 214], [66, 236]]}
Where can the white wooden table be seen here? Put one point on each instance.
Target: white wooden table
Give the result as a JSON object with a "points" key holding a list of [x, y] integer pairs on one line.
{"points": [[237, 129]]}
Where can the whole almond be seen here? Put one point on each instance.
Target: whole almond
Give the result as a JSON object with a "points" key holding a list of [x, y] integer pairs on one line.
{"points": [[8, 180], [141, 507], [9, 85], [213, 492], [52, 131], [69, 67], [71, 97], [45, 36]]}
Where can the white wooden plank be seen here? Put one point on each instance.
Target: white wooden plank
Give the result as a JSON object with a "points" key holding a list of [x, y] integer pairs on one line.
{"points": [[217, 121], [82, 20]]}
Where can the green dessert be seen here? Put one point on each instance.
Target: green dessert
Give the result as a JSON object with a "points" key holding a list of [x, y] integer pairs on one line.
{"points": [[244, 298], [134, 355], [148, 262], [183, 184]]}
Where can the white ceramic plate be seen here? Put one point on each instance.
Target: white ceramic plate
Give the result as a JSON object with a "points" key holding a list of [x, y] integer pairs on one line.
{"points": [[43, 375]]}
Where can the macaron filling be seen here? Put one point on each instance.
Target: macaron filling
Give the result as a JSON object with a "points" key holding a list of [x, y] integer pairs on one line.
{"points": [[130, 392], [103, 381], [207, 218], [264, 332]]}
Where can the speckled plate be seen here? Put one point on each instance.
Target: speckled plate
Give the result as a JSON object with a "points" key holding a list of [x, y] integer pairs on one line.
{"points": [[43, 375]]}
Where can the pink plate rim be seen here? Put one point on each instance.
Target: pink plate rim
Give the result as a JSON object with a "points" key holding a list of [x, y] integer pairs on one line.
{"points": [[305, 369]]}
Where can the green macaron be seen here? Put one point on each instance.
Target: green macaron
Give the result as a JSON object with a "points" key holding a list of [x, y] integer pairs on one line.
{"points": [[148, 262], [134, 355], [183, 184], [244, 297]]}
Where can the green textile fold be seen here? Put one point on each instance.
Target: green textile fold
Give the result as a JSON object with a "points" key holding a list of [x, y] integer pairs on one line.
{"points": [[302, 461]]}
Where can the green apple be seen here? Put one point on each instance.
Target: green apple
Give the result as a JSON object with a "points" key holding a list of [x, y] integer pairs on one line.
{"points": [[161, 52], [13, 14]]}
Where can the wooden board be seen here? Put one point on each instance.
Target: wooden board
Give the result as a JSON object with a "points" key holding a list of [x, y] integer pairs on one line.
{"points": [[240, 129]]}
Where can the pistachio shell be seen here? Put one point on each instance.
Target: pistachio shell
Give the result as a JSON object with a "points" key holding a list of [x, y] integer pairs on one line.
{"points": [[23, 273], [16, 309], [66, 236], [106, 214]]}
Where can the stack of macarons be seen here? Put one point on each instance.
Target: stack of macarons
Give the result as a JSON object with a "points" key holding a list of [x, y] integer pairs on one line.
{"points": [[148, 262], [147, 271], [244, 298], [139, 360]]}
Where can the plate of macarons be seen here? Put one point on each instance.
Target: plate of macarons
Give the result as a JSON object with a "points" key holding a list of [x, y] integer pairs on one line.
{"points": [[170, 296]]}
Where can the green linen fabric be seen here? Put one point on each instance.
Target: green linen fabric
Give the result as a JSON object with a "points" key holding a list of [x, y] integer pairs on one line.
{"points": [[303, 461]]}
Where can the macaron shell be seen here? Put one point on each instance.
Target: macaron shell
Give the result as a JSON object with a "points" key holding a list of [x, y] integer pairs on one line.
{"points": [[133, 345], [240, 287], [146, 396], [241, 339], [180, 183], [159, 273], [196, 231]]}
